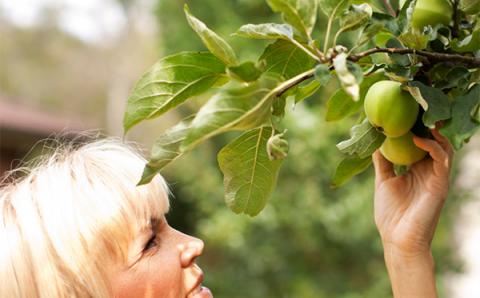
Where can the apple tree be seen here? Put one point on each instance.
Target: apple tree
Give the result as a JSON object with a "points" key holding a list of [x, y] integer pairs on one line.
{"points": [[414, 64]]}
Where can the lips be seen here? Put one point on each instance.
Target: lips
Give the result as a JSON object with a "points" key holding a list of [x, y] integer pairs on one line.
{"points": [[199, 291]]}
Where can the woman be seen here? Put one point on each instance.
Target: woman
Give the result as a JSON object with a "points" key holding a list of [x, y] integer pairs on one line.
{"points": [[77, 226]]}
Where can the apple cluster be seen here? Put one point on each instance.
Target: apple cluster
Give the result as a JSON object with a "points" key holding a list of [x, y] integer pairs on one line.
{"points": [[393, 112]]}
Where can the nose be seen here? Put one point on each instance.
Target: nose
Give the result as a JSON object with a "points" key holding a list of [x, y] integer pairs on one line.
{"points": [[190, 248]]}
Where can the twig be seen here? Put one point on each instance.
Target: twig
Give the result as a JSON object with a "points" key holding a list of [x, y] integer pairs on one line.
{"points": [[329, 25], [455, 19], [390, 8], [279, 90], [431, 56]]}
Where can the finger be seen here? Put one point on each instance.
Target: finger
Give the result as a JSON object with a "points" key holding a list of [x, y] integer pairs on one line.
{"points": [[444, 142], [383, 168], [439, 155]]}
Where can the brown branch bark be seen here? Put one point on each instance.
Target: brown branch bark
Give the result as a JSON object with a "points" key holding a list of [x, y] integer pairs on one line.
{"points": [[432, 57]]}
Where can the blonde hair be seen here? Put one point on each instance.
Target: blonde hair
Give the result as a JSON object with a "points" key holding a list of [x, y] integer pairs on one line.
{"points": [[66, 223]]}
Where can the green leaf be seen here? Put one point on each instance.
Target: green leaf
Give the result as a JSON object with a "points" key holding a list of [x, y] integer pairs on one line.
{"points": [[457, 77], [165, 149], [249, 175], [286, 59], [436, 104], [405, 15], [305, 91], [214, 43], [470, 6], [399, 59], [348, 81], [301, 14], [414, 39], [266, 31], [365, 139], [358, 16], [278, 106], [322, 73], [348, 168], [471, 43], [328, 6], [341, 105], [235, 107], [170, 82], [370, 31], [462, 126], [246, 72]]}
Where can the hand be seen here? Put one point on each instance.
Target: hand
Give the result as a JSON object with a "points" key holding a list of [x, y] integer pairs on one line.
{"points": [[407, 207]]}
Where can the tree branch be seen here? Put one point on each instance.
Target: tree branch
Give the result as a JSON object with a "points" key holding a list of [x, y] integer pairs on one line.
{"points": [[432, 57], [279, 90]]}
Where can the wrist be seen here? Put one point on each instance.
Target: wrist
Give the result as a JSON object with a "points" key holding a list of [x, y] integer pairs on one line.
{"points": [[396, 254], [411, 275]]}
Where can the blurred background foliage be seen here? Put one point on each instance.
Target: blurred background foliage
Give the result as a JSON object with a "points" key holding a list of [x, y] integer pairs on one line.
{"points": [[310, 241]]}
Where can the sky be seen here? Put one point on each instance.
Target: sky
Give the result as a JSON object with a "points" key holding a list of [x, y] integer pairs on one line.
{"points": [[89, 20]]}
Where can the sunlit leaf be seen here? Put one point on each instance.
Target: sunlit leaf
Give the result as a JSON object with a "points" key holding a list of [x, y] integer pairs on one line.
{"points": [[165, 149], [170, 82], [355, 18], [246, 72], [348, 168], [249, 175], [214, 43], [235, 107], [286, 59], [266, 31], [328, 6], [301, 14], [365, 139]]}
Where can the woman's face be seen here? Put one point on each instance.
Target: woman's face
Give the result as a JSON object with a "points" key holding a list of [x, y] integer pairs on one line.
{"points": [[161, 264]]}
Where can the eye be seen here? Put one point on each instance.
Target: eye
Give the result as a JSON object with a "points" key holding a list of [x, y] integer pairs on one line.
{"points": [[151, 243]]}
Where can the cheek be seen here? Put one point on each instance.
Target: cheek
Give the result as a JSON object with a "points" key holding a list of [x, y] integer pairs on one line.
{"points": [[158, 276]]}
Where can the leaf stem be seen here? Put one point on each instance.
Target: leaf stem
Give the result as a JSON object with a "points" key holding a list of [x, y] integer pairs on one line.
{"points": [[432, 57], [389, 7], [305, 50], [329, 26], [336, 37]]}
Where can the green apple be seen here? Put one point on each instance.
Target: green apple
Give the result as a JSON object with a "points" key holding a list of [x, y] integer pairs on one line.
{"points": [[431, 12], [402, 150], [390, 109]]}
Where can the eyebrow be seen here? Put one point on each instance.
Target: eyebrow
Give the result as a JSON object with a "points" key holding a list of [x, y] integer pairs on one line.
{"points": [[154, 223], [151, 228]]}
